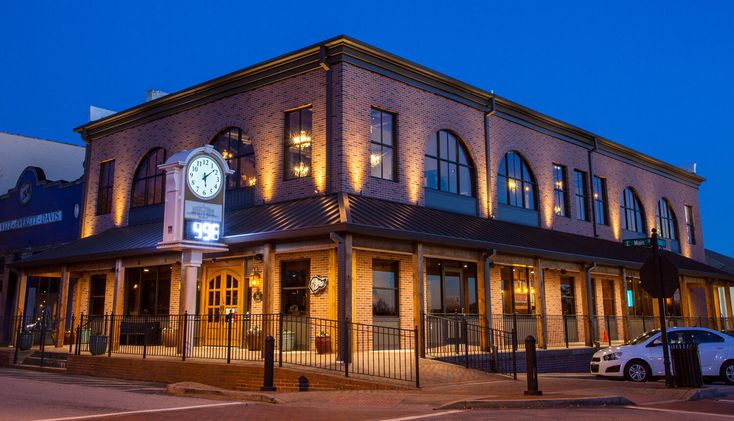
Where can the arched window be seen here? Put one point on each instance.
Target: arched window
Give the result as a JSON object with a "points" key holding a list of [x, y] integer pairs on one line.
{"points": [[515, 182], [665, 220], [149, 181], [447, 166], [633, 216], [237, 149]]}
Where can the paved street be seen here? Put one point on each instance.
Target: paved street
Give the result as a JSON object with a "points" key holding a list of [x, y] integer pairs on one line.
{"points": [[31, 395]]}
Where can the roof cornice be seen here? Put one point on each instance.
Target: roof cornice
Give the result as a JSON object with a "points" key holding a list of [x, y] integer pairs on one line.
{"points": [[349, 50]]}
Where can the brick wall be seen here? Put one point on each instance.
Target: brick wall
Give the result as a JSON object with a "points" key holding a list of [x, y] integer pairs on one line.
{"points": [[218, 374]]}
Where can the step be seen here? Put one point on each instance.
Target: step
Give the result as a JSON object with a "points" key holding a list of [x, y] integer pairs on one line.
{"points": [[47, 362], [51, 355]]}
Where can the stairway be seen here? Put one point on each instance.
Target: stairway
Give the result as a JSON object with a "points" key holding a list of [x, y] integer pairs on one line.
{"points": [[49, 359]]}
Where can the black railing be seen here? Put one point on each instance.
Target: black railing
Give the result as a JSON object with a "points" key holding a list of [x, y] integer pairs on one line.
{"points": [[565, 330], [375, 351], [469, 340]]}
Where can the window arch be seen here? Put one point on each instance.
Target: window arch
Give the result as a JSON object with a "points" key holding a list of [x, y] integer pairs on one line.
{"points": [[515, 182], [633, 216], [237, 149], [149, 181], [448, 166], [665, 220]]}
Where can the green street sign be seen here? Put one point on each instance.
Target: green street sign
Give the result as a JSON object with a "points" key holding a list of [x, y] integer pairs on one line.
{"points": [[642, 242]]}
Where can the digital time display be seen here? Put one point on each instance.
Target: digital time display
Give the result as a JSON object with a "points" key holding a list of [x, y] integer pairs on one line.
{"points": [[203, 231]]}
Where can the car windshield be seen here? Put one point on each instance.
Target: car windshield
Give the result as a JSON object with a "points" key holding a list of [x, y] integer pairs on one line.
{"points": [[642, 338]]}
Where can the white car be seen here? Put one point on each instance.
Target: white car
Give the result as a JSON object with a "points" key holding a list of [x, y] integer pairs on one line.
{"points": [[641, 359]]}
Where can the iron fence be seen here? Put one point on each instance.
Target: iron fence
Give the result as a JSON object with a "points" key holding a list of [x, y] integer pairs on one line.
{"points": [[469, 340], [565, 330], [368, 350]]}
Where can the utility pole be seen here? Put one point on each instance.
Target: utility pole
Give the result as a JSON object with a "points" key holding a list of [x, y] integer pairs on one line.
{"points": [[661, 308]]}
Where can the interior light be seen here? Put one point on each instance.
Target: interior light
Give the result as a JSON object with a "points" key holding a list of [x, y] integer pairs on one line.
{"points": [[375, 159], [300, 170], [301, 138], [511, 184]]}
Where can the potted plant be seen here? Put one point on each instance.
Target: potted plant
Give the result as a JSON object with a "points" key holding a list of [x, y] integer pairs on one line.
{"points": [[323, 343], [288, 340], [25, 341], [97, 344], [67, 336], [254, 336], [169, 336]]}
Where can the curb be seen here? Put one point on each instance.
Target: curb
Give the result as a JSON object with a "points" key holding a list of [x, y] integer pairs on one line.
{"points": [[706, 393], [538, 403], [205, 391]]}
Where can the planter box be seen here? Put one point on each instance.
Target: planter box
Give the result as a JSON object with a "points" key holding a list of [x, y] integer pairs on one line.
{"points": [[97, 344], [25, 341], [67, 338], [289, 341], [169, 337], [323, 344], [254, 341]]}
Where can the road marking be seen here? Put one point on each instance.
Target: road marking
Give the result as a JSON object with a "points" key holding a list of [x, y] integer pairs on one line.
{"points": [[725, 400], [144, 411], [417, 417], [677, 411]]}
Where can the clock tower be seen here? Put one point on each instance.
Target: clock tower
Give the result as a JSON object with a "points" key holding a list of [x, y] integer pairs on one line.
{"points": [[193, 219]]}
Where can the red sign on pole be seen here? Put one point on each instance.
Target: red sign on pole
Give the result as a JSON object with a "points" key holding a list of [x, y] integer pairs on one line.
{"points": [[669, 273]]}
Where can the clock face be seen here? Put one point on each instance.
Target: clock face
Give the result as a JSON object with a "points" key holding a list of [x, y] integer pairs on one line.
{"points": [[204, 177]]}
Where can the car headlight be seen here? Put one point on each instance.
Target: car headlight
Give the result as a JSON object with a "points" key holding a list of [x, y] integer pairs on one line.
{"points": [[613, 356]]}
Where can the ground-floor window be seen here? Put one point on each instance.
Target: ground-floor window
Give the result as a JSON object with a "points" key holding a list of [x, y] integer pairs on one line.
{"points": [[97, 287], [672, 305], [385, 296], [608, 301], [639, 302], [451, 286], [568, 296], [147, 290], [518, 291], [42, 297], [294, 287]]}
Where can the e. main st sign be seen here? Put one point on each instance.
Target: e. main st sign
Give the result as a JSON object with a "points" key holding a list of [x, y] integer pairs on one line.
{"points": [[194, 208]]}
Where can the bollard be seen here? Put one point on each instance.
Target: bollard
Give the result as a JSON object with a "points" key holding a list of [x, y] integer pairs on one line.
{"points": [[531, 364], [269, 363]]}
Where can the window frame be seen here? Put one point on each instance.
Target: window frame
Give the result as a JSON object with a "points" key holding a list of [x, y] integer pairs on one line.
{"points": [[305, 149], [160, 283], [560, 192], [393, 146], [394, 266], [305, 266], [690, 224], [233, 160], [635, 208], [158, 177], [665, 214], [105, 186], [460, 147], [599, 198], [505, 178], [581, 195]]}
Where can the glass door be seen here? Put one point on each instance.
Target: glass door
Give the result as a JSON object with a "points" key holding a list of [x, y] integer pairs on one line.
{"points": [[221, 298]]}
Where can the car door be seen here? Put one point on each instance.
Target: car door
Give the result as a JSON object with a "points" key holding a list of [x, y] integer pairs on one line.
{"points": [[711, 349], [654, 352]]}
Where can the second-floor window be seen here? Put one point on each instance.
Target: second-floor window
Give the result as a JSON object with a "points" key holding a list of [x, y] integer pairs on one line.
{"points": [[665, 220], [447, 166], [515, 182], [104, 189], [298, 125], [382, 145], [237, 149], [600, 201], [149, 181], [632, 214], [560, 192], [582, 205], [690, 226]]}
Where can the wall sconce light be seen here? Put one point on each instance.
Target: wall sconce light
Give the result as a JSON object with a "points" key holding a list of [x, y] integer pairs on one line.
{"points": [[255, 281]]}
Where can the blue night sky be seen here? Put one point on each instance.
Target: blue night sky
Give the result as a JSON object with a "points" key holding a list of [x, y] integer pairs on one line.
{"points": [[657, 76]]}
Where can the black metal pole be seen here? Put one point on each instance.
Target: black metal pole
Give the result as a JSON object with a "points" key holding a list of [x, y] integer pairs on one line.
{"points": [[465, 335], [145, 337], [661, 309], [280, 340], [514, 353], [417, 359], [111, 336], [531, 365], [514, 329], [185, 331], [269, 363], [565, 329], [609, 331], [72, 339], [229, 338], [42, 345], [18, 335]]}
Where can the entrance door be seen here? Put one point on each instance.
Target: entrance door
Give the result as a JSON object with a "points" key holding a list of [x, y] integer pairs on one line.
{"points": [[610, 309], [221, 297]]}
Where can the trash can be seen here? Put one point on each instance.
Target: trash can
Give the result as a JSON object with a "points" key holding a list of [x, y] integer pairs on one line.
{"points": [[686, 365]]}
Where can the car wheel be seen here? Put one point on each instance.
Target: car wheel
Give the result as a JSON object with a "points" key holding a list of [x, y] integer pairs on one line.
{"points": [[637, 371], [727, 372]]}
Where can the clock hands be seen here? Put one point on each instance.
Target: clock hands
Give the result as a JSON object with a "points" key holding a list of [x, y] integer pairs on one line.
{"points": [[207, 175]]}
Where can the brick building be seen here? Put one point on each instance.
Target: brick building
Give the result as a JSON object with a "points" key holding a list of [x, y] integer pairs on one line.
{"points": [[414, 195]]}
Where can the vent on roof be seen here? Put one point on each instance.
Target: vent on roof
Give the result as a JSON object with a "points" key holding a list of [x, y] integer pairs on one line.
{"points": [[95, 113], [152, 94], [690, 167]]}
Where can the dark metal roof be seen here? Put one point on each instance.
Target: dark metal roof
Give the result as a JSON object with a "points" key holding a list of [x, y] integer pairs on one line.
{"points": [[720, 261], [380, 217], [320, 215], [115, 242]]}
